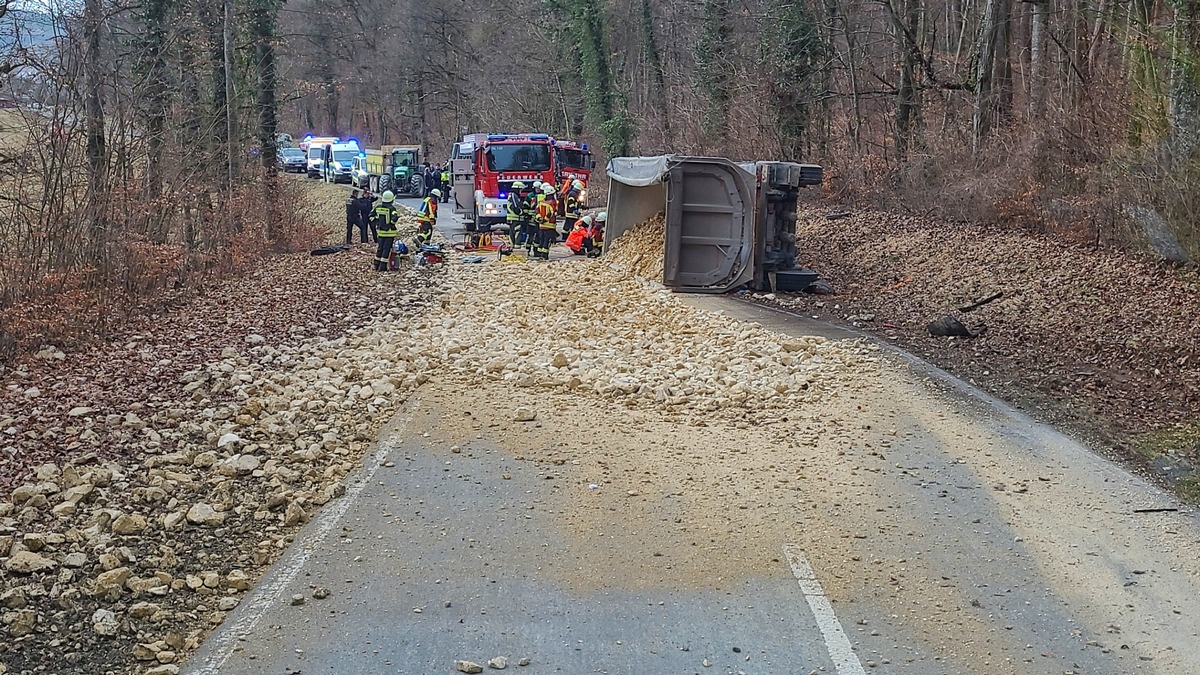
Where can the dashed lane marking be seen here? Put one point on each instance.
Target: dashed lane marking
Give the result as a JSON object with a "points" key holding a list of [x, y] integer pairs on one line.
{"points": [[840, 652]]}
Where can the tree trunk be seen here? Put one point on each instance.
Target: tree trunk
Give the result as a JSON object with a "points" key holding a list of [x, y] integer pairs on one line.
{"points": [[157, 99], [1037, 57], [908, 105], [219, 149], [988, 92], [650, 42], [265, 13], [231, 134], [834, 9], [94, 112], [1185, 81]]}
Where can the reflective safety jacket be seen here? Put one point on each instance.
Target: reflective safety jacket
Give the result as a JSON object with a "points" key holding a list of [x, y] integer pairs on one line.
{"points": [[445, 178], [384, 218], [575, 239], [571, 204], [547, 217], [427, 214], [516, 207]]}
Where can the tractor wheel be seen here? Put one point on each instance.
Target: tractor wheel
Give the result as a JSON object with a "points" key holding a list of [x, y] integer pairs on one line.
{"points": [[415, 184]]}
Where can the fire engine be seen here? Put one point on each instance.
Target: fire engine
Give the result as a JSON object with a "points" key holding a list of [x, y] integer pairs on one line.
{"points": [[486, 165]]}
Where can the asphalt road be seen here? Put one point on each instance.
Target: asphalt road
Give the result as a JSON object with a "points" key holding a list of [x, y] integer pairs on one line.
{"points": [[983, 543]]}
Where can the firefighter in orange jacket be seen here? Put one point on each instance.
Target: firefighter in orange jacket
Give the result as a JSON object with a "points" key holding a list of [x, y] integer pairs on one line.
{"points": [[427, 216], [578, 237], [547, 221]]}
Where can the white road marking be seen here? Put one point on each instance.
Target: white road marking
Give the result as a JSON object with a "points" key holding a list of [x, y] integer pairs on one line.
{"points": [[840, 652], [269, 595]]}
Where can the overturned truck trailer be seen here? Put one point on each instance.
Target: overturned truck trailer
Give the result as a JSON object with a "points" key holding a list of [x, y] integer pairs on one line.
{"points": [[728, 225]]}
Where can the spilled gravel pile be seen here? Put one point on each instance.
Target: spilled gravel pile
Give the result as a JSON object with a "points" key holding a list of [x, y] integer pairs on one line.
{"points": [[622, 342], [122, 552], [155, 479], [641, 249]]}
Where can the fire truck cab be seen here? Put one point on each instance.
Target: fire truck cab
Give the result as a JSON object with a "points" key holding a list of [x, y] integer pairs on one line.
{"points": [[485, 166]]}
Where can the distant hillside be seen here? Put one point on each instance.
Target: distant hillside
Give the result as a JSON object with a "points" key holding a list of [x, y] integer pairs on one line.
{"points": [[34, 28]]}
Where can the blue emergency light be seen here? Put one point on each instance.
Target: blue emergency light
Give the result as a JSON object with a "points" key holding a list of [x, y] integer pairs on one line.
{"points": [[584, 147], [503, 195]]}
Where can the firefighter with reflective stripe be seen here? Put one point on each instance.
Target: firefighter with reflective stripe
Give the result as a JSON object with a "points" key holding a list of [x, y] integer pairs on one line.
{"points": [[595, 239], [516, 211], [531, 203], [571, 208], [427, 216], [384, 220], [445, 184], [547, 220]]}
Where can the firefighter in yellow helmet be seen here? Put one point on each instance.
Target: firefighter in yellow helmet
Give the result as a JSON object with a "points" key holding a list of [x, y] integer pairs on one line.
{"points": [[547, 222], [384, 223], [427, 216], [571, 207], [531, 229]]}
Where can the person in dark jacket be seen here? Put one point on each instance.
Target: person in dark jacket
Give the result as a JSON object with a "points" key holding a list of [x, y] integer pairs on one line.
{"points": [[432, 178], [366, 204]]}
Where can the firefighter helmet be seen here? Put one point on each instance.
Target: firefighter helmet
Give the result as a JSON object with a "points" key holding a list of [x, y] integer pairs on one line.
{"points": [[388, 197], [586, 220], [547, 189], [577, 184], [537, 185], [435, 193], [518, 185], [603, 217]]}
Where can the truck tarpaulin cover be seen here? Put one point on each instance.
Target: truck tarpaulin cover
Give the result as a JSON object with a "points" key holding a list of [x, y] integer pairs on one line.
{"points": [[709, 206]]}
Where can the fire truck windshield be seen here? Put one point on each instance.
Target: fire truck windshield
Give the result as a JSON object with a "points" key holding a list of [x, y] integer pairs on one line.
{"points": [[518, 157], [573, 159]]}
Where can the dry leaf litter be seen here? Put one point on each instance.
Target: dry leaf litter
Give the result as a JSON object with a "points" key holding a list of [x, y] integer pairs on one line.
{"points": [[1096, 339]]}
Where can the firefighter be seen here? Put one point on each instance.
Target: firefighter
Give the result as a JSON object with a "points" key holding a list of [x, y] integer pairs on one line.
{"points": [[516, 212], [571, 208], [547, 220], [427, 216], [445, 183], [384, 220], [595, 240], [578, 237], [530, 224]]}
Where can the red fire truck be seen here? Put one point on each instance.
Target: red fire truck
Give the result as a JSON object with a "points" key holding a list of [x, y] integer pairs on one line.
{"points": [[486, 165]]}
